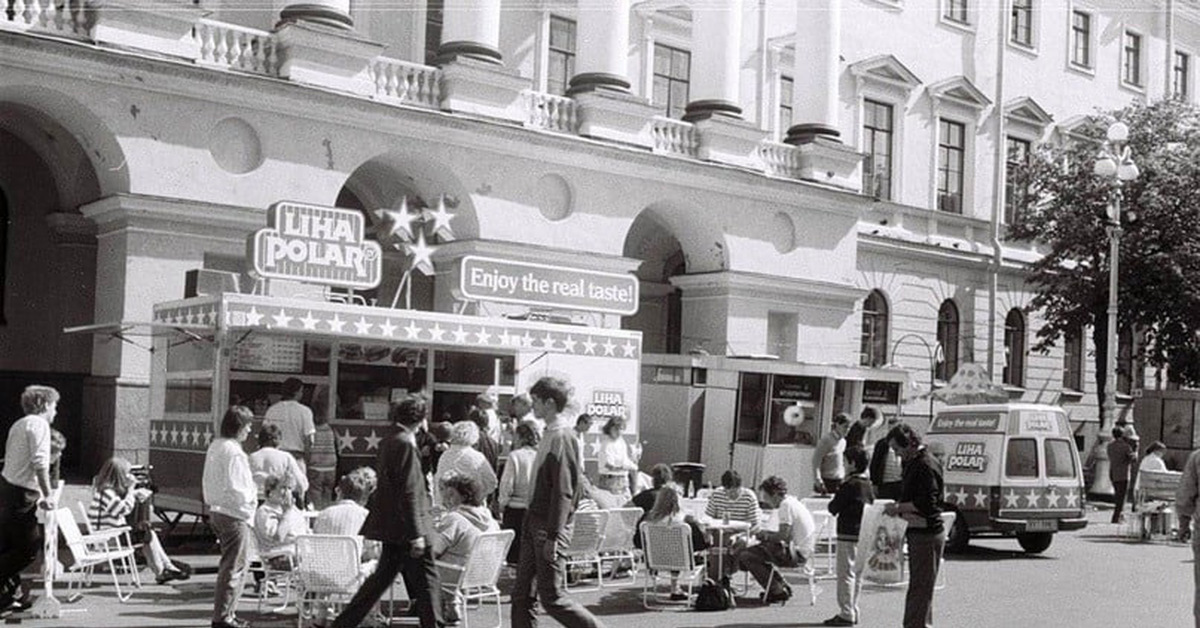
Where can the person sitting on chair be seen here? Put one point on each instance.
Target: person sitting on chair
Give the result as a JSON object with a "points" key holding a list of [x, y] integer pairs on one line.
{"points": [[114, 497], [789, 546], [345, 516], [466, 518], [666, 512], [278, 522]]}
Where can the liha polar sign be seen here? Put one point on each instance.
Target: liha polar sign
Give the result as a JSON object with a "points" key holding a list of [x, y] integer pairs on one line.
{"points": [[322, 245], [506, 281]]}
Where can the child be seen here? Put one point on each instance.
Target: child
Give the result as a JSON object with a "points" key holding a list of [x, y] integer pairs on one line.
{"points": [[322, 463], [466, 518], [278, 522], [847, 505]]}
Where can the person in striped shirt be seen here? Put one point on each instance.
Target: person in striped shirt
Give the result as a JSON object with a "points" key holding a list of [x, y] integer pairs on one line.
{"points": [[114, 497], [733, 501]]}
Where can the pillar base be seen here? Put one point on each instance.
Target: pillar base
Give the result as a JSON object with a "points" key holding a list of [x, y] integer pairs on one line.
{"points": [[327, 57], [454, 50], [590, 81], [616, 116], [804, 133], [728, 140], [316, 14], [830, 162], [164, 27], [705, 109], [483, 88]]}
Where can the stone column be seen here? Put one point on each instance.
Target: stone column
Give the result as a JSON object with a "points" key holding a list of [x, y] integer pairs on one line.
{"points": [[471, 28], [716, 52], [335, 13], [603, 59], [815, 76]]}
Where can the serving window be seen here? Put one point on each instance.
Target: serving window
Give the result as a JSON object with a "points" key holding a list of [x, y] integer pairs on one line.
{"points": [[778, 409]]}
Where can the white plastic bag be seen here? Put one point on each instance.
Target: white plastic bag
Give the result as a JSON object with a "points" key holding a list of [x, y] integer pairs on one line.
{"points": [[881, 546]]}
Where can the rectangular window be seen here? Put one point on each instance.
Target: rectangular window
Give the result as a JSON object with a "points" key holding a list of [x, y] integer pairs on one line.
{"points": [[1179, 76], [877, 144], [1060, 463], [1081, 39], [786, 93], [1073, 361], [1021, 459], [672, 71], [1131, 66], [1014, 193], [434, 16], [561, 57], [956, 10], [1022, 22], [951, 160]]}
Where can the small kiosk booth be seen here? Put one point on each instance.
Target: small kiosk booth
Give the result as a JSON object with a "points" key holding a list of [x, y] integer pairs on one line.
{"points": [[230, 348]]}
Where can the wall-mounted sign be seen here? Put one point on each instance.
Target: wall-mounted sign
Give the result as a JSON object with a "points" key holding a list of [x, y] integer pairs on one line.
{"points": [[967, 457], [607, 404], [322, 245], [966, 423], [796, 388], [488, 279], [881, 392], [280, 354]]}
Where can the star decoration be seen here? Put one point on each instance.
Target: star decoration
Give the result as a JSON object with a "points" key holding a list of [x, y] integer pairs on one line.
{"points": [[1012, 499], [372, 441], [589, 346], [609, 347], [346, 441], [1072, 499], [569, 344], [421, 252], [594, 447], [336, 323], [482, 336], [253, 318], [361, 326], [1034, 499], [395, 225], [281, 319], [387, 328], [960, 496], [441, 220], [460, 335], [412, 331], [309, 322], [981, 497], [548, 341], [526, 340], [1052, 498], [628, 348], [437, 332]]}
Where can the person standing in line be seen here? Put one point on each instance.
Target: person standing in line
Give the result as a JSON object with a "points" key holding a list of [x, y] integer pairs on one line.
{"points": [[516, 485], [828, 468], [557, 489], [1185, 506], [485, 402], [886, 469], [521, 409], [322, 463], [24, 488], [847, 505], [295, 421], [868, 419], [616, 463], [1122, 457], [231, 496], [269, 460], [921, 495], [399, 517]]}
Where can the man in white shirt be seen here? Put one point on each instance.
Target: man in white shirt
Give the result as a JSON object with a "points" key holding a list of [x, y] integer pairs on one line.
{"points": [[828, 467], [789, 546], [229, 491], [25, 487], [295, 421]]}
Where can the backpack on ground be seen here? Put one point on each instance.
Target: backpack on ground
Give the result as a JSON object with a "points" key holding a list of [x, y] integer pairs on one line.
{"points": [[714, 597]]}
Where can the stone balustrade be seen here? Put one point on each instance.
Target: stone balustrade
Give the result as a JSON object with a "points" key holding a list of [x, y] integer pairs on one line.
{"points": [[779, 160], [674, 137], [235, 47], [550, 112], [52, 16], [406, 83]]}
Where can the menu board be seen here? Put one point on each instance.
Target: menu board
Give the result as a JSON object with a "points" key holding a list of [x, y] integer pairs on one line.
{"points": [[278, 354]]}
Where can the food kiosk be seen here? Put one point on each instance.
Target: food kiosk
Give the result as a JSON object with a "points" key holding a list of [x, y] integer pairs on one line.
{"points": [[215, 350]]}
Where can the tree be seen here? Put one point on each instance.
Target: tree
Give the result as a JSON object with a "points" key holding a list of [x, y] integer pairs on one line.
{"points": [[1064, 209]]}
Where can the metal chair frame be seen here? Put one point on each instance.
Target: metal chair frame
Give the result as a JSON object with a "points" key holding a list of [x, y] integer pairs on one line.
{"points": [[587, 535], [667, 549], [478, 578], [328, 572], [94, 549], [617, 544]]}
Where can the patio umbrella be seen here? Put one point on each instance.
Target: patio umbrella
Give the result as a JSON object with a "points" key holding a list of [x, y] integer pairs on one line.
{"points": [[971, 385]]}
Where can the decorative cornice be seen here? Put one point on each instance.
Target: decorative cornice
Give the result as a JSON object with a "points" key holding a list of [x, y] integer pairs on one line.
{"points": [[758, 286], [959, 90], [887, 69], [151, 213]]}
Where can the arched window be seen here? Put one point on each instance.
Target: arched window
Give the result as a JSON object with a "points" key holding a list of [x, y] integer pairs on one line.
{"points": [[947, 337], [874, 330], [1014, 348]]}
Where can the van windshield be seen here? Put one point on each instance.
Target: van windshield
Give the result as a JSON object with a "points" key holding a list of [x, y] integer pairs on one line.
{"points": [[1059, 461], [1020, 461]]}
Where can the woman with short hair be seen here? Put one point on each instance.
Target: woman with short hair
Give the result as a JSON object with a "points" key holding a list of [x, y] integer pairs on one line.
{"points": [[463, 458]]}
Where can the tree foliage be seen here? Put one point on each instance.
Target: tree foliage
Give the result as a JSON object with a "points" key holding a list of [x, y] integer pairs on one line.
{"points": [[1065, 209]]}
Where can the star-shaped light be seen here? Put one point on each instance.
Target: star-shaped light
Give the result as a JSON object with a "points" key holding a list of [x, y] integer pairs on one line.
{"points": [[628, 348], [437, 332], [253, 318], [460, 335], [387, 328], [1011, 500], [421, 252], [482, 336], [372, 441], [361, 326], [441, 220], [346, 441], [309, 322], [569, 344], [336, 323], [589, 346], [394, 226], [281, 319], [609, 347], [411, 330]]}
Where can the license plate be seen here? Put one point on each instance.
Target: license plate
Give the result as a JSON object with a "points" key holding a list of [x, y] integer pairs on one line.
{"points": [[1041, 525]]}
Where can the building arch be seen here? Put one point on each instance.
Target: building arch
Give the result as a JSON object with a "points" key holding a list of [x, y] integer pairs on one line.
{"points": [[949, 338]]}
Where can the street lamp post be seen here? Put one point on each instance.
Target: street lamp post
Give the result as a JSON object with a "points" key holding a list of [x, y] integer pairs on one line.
{"points": [[933, 353], [1115, 163]]}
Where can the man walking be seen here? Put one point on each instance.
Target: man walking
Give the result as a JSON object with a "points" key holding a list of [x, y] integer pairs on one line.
{"points": [[295, 421], [921, 493], [399, 517], [828, 466], [1121, 458], [557, 488], [1185, 506]]}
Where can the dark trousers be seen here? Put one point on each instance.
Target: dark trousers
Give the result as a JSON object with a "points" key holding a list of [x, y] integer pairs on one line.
{"points": [[1120, 489], [760, 560], [541, 577], [831, 484], [233, 534], [512, 521], [420, 579], [924, 559], [20, 537], [888, 490]]}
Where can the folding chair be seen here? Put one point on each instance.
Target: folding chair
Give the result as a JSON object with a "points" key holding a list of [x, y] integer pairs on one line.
{"points": [[272, 577], [948, 518], [116, 542], [584, 547], [617, 544], [825, 545], [477, 580], [94, 549], [668, 551], [328, 573]]}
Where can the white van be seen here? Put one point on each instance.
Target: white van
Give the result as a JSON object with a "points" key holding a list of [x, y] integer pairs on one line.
{"points": [[1010, 468]]}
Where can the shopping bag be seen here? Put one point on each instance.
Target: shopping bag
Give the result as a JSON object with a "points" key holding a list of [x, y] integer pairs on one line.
{"points": [[881, 546]]}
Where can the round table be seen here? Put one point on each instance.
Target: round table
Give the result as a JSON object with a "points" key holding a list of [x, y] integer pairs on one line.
{"points": [[722, 528]]}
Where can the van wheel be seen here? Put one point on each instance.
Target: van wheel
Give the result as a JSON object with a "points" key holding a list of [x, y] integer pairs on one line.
{"points": [[1035, 542], [959, 536]]}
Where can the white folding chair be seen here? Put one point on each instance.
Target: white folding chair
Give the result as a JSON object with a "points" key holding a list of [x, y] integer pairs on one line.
{"points": [[584, 547], [668, 553], [948, 518], [272, 577], [806, 569], [477, 580], [116, 542], [328, 572], [617, 544], [94, 549]]}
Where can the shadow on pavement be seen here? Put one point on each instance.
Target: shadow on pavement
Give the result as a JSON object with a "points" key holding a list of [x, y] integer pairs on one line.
{"points": [[976, 552]]}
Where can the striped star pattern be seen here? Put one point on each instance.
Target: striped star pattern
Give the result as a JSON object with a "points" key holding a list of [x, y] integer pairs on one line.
{"points": [[190, 436], [1016, 498]]}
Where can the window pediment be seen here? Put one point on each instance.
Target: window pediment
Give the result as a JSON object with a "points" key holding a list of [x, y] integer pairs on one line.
{"points": [[1027, 117], [960, 92], [886, 70]]}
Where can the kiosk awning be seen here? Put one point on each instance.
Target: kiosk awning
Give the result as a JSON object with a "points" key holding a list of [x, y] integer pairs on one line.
{"points": [[126, 331]]}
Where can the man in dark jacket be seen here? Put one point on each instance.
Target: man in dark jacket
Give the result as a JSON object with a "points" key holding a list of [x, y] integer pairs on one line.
{"points": [[1122, 457], [921, 495], [885, 469], [399, 518], [557, 488]]}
